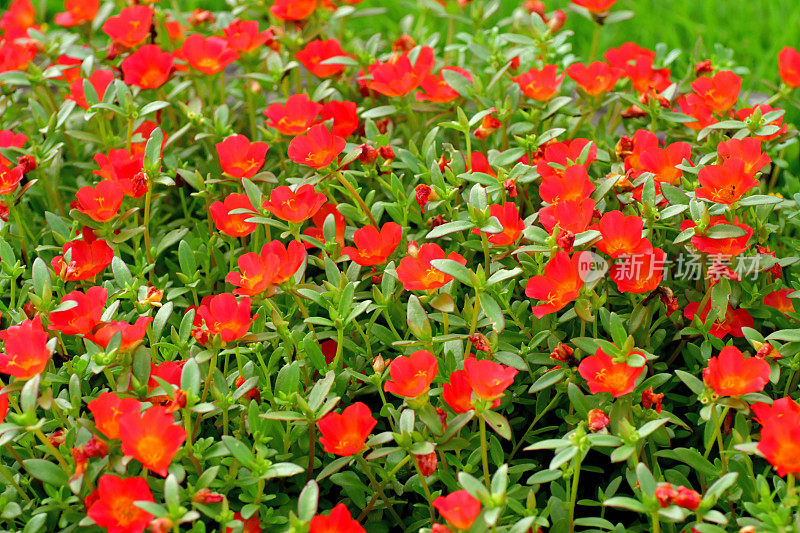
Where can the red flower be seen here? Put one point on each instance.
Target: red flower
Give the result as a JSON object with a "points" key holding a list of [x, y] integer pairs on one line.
{"points": [[663, 162], [3, 406], [131, 27], [151, 438], [436, 89], [14, 56], [9, 139], [84, 314], [730, 324], [733, 374], [480, 163], [789, 66], [234, 224], [100, 80], [665, 494], [780, 300], [148, 67], [412, 376], [241, 158], [695, 107], [508, 216], [417, 273], [273, 266], [604, 375], [344, 116], [107, 410], [595, 6], [319, 219], [725, 183], [627, 55], [9, 178], [641, 272], [721, 92], [780, 434], [458, 393], [18, 19], [86, 259], [748, 150], [688, 498], [338, 521], [488, 379], [293, 9], [725, 246], [295, 206], [101, 202], [209, 55], [345, 434], [539, 84], [251, 525], [459, 508], [596, 78], [77, 12], [745, 113], [26, 352], [621, 235], [122, 167], [566, 155], [243, 36], [398, 77], [222, 315], [560, 284], [169, 371], [112, 504], [132, 334], [373, 246], [294, 117], [315, 52], [317, 149]]}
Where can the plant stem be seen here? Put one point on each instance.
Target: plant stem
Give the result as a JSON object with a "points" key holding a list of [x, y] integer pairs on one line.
{"points": [[378, 488], [53, 450], [357, 197], [484, 453], [576, 474], [424, 483], [211, 366], [312, 441]]}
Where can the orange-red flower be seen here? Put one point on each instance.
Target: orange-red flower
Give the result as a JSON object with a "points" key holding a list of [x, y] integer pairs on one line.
{"points": [[338, 521], [319, 218], [604, 375], [488, 379], [100, 80], [780, 300], [18, 19], [508, 216], [293, 9], [730, 324], [595, 6], [84, 313], [640, 272], [222, 315], [417, 273], [294, 117], [344, 116], [9, 139], [540, 84], [131, 27], [595, 78], [745, 113], [122, 167], [317, 149], [559, 285], [132, 334], [243, 36], [663, 162], [16, 56], [112, 507], [412, 376], [725, 183], [233, 224], [725, 246], [9, 178], [621, 235], [345, 434], [82, 260], [780, 434], [107, 410], [732, 374], [273, 266], [101, 202], [721, 92], [26, 352], [565, 155], [373, 246], [695, 107], [436, 89], [148, 67], [573, 216], [251, 525], [397, 76], [748, 150], [627, 55], [457, 393], [241, 158], [152, 438], [459, 508], [295, 206], [209, 55], [77, 12], [789, 66], [169, 371], [315, 52]]}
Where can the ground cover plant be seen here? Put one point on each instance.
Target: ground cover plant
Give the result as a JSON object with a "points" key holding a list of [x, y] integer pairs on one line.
{"points": [[263, 270]]}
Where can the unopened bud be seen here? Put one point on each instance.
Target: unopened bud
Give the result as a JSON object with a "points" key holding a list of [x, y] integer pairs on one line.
{"points": [[652, 400], [598, 420], [427, 463], [26, 163], [378, 364], [206, 496], [368, 154], [386, 152], [480, 342]]}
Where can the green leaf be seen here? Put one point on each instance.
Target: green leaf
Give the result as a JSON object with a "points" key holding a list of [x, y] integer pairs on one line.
{"points": [[46, 472], [239, 450], [455, 269], [498, 423], [623, 502], [282, 470], [548, 379]]}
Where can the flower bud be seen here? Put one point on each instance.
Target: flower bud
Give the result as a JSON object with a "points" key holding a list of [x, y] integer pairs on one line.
{"points": [[652, 400], [424, 193], [665, 495], [368, 154], [704, 67], [200, 16], [386, 152], [480, 342], [26, 163], [404, 43], [688, 498], [598, 420], [206, 496], [767, 350], [557, 21], [489, 125], [139, 184], [442, 417], [252, 394], [161, 525], [511, 187], [564, 354], [427, 463], [438, 220], [95, 448], [413, 249], [378, 364], [624, 147], [566, 240]]}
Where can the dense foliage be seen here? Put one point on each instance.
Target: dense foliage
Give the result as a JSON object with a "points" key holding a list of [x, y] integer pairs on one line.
{"points": [[262, 274]]}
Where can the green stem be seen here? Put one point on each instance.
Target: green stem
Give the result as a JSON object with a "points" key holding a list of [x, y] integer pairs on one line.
{"points": [[379, 489], [424, 483], [52, 449], [576, 474], [357, 197], [484, 453], [211, 366]]}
